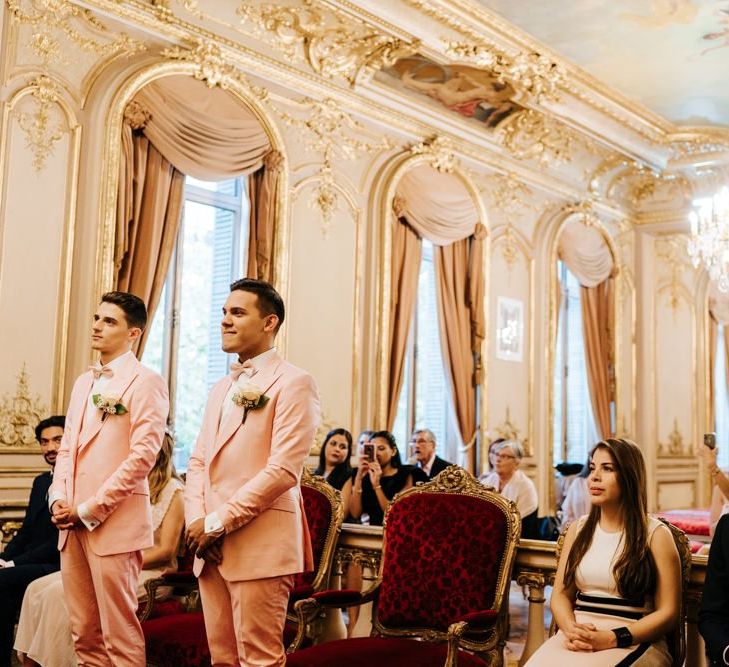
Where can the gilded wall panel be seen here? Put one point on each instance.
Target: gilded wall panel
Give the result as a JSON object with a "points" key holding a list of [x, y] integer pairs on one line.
{"points": [[39, 160], [323, 334], [510, 380]]}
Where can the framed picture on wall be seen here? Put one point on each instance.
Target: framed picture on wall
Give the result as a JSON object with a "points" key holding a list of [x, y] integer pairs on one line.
{"points": [[509, 329]]}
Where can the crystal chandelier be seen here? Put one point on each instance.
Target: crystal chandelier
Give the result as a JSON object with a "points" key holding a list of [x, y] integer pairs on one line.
{"points": [[709, 242]]}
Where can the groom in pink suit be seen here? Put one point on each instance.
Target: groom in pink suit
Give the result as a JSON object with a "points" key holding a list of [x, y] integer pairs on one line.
{"points": [[243, 505], [100, 496]]}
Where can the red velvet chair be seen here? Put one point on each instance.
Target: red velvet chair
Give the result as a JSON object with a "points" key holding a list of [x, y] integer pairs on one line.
{"points": [[179, 639], [448, 550]]}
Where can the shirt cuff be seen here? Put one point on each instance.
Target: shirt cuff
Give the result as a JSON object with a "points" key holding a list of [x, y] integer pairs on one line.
{"points": [[53, 497], [9, 563], [89, 521], [213, 524]]}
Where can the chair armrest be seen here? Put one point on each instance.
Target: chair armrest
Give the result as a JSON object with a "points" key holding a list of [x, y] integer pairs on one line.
{"points": [[476, 622], [343, 598], [185, 579], [150, 587]]}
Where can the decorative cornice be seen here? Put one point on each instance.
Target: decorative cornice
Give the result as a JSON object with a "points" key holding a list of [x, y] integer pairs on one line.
{"points": [[530, 134], [333, 44]]}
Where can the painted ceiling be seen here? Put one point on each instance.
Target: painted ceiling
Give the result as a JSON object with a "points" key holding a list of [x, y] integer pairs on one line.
{"points": [[670, 55]]}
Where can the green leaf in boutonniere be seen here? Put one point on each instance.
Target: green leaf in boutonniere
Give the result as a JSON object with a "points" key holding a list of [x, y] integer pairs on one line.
{"points": [[109, 405]]}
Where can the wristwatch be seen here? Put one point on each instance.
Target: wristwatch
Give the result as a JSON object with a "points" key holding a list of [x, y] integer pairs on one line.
{"points": [[624, 637]]}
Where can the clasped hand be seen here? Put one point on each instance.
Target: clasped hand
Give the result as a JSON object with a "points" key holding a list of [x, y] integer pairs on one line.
{"points": [[205, 546], [371, 469], [64, 516], [586, 637]]}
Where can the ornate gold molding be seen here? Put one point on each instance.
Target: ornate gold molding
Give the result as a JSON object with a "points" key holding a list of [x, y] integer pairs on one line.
{"points": [[68, 19], [675, 445], [509, 194], [19, 414], [213, 67], [530, 134], [672, 252], [333, 44], [328, 132], [535, 75], [439, 153], [508, 430], [40, 131]]}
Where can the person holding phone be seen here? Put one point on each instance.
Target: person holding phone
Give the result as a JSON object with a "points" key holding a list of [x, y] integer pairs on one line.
{"points": [[380, 475]]}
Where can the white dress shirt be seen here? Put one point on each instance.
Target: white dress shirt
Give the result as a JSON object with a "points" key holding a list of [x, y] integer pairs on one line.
{"points": [[427, 467], [213, 524]]}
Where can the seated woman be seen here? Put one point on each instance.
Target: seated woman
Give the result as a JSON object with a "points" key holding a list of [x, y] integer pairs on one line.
{"points": [[513, 484], [334, 462], [44, 631], [618, 584], [377, 481]]}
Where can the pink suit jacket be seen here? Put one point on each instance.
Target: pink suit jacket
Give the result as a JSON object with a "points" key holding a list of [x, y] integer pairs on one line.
{"points": [[249, 474], [105, 463]]}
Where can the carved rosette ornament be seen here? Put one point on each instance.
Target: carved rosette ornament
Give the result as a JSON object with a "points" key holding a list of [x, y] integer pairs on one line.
{"points": [[334, 44], [136, 115], [530, 134], [19, 414], [439, 151]]}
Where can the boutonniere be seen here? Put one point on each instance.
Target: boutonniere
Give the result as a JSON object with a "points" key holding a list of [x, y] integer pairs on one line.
{"points": [[109, 405], [249, 397]]}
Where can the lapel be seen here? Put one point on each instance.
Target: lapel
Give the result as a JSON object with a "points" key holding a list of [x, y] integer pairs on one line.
{"points": [[123, 377], [265, 377]]}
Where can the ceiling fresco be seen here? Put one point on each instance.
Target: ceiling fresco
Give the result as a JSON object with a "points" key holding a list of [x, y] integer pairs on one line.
{"points": [[670, 55], [469, 91]]}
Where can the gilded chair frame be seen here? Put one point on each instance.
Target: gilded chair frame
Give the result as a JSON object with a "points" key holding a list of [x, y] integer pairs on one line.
{"points": [[676, 639], [453, 480]]}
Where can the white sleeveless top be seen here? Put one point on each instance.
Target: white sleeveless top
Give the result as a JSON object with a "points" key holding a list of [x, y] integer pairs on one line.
{"points": [[594, 576], [159, 509]]}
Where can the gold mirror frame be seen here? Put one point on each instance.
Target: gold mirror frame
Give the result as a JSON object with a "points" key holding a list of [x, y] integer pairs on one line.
{"points": [[112, 156], [435, 155]]}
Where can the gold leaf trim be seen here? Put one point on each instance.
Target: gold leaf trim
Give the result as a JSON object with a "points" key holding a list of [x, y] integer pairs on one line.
{"points": [[19, 414]]}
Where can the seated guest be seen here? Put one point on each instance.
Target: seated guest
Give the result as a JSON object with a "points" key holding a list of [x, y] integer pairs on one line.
{"points": [[378, 479], [513, 484], [618, 586], [362, 438], [720, 493], [334, 462], [577, 499], [33, 552], [422, 447], [714, 611], [44, 630], [492, 454]]}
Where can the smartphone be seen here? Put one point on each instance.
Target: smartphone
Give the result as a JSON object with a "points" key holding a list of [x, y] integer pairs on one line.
{"points": [[368, 449], [710, 440]]}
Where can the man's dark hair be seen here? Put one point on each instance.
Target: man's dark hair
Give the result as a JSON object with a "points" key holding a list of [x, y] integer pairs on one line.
{"points": [[55, 420], [134, 309], [269, 300]]}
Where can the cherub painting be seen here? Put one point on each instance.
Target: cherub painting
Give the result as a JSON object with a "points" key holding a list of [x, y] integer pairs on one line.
{"points": [[472, 92]]}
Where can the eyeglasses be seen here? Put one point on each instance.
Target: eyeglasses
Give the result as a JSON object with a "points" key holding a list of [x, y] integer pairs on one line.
{"points": [[498, 457]]}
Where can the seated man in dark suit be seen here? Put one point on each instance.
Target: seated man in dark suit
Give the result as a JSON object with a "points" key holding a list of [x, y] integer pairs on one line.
{"points": [[33, 552], [422, 448], [714, 612]]}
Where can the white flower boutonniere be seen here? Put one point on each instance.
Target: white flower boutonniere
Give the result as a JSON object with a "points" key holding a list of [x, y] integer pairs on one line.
{"points": [[249, 397], [109, 405]]}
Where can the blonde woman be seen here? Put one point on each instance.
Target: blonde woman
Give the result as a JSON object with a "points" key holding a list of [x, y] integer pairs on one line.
{"points": [[44, 631]]}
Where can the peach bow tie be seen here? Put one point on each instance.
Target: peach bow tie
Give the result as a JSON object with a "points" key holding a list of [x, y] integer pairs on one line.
{"points": [[246, 368], [101, 371]]}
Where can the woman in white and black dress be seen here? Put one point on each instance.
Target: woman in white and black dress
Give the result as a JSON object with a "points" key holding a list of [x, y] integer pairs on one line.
{"points": [[618, 584]]}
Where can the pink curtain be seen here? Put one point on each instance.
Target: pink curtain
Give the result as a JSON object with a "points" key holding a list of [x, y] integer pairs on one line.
{"points": [[597, 324], [405, 265]]}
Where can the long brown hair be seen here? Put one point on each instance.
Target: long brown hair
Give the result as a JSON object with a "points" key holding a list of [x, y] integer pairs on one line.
{"points": [[634, 571], [163, 470]]}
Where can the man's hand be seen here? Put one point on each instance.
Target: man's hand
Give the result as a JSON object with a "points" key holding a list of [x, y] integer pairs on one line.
{"points": [[193, 534], [64, 516], [210, 549]]}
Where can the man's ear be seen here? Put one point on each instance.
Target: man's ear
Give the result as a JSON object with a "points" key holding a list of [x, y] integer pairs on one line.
{"points": [[271, 323], [134, 333]]}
